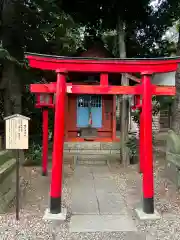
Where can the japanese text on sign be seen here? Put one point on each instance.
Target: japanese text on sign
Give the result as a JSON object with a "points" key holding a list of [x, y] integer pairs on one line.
{"points": [[17, 132]]}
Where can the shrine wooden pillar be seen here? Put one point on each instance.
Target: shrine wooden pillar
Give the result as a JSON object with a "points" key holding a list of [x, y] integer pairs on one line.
{"points": [[58, 144], [45, 141], [141, 148], [141, 128]]}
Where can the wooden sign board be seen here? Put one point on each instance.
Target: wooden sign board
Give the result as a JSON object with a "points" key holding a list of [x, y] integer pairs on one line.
{"points": [[17, 131]]}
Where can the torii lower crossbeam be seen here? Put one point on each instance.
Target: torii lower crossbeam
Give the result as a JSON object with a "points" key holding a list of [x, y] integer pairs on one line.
{"points": [[99, 89]]}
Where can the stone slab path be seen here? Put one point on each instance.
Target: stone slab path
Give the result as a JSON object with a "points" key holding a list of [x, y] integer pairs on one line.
{"points": [[97, 203]]}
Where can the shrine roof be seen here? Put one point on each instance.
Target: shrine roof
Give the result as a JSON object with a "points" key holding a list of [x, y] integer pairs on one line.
{"points": [[29, 54]]}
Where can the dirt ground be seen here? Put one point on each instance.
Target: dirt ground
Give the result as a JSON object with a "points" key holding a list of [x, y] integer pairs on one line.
{"points": [[36, 200]]}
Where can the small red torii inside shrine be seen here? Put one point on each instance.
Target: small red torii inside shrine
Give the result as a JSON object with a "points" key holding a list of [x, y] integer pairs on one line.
{"points": [[144, 90]]}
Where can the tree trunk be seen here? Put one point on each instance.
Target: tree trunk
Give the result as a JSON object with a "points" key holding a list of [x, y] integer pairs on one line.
{"points": [[124, 100], [176, 103], [12, 40], [5, 85], [7, 104]]}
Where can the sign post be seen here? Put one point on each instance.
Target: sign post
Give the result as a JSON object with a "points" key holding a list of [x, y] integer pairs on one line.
{"points": [[16, 136]]}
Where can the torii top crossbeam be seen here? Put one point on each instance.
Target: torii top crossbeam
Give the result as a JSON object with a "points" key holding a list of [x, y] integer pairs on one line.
{"points": [[103, 65]]}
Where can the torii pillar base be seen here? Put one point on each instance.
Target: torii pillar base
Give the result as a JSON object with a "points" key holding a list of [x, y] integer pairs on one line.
{"points": [[147, 216], [61, 217]]}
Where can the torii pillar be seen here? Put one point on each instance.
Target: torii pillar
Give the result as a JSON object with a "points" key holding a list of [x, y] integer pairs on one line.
{"points": [[57, 156], [146, 151]]}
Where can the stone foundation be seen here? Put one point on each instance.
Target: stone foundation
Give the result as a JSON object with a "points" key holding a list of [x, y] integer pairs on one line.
{"points": [[173, 168], [173, 158], [8, 184], [92, 152]]}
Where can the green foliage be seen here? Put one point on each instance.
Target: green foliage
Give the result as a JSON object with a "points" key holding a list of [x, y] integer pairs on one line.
{"points": [[49, 30], [35, 26], [132, 142], [144, 28], [136, 116], [5, 55], [34, 154], [165, 101], [156, 108], [132, 145], [102, 15]]}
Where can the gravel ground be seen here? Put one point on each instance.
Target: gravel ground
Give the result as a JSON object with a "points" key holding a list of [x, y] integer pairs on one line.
{"points": [[32, 227]]}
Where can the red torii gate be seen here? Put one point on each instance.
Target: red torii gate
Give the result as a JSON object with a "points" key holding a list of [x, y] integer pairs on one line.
{"points": [[63, 65]]}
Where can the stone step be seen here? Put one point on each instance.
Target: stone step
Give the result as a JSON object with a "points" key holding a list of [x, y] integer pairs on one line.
{"points": [[91, 146], [91, 162], [96, 159], [83, 159]]}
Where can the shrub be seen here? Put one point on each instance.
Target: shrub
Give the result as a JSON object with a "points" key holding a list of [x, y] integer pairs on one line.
{"points": [[34, 154]]}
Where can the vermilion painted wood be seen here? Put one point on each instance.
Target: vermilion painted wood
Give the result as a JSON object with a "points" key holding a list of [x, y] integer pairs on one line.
{"points": [[104, 79], [42, 105], [66, 117], [82, 89], [138, 105], [45, 142], [107, 115], [72, 109], [114, 119], [58, 145], [170, 91], [97, 89], [103, 65], [110, 90], [148, 177], [141, 148]]}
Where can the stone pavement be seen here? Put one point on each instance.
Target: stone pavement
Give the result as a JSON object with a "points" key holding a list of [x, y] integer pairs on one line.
{"points": [[97, 203]]}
